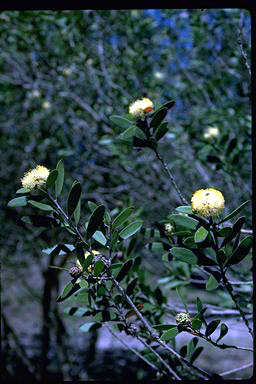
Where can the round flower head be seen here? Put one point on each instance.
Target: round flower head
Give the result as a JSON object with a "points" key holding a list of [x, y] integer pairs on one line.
{"points": [[211, 132], [183, 318], [169, 228], [35, 178], [207, 202], [140, 107]]}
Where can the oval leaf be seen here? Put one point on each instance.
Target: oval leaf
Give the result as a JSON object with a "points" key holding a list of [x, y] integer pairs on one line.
{"points": [[240, 252], [60, 179], [42, 206], [87, 326], [21, 191], [18, 202], [74, 196], [98, 267], [235, 212], [196, 354], [99, 237], [52, 178], [131, 229], [68, 290], [164, 327], [122, 217], [211, 327], [77, 212], [183, 221], [236, 228], [161, 131], [196, 324], [169, 104], [199, 305], [201, 235], [184, 209], [184, 254], [212, 283], [158, 118], [124, 270], [95, 221], [170, 334], [223, 331], [121, 121]]}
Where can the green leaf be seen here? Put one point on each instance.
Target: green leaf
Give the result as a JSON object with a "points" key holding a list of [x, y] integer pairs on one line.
{"points": [[68, 290], [192, 345], [77, 212], [235, 229], [124, 270], [98, 267], [92, 205], [87, 326], [87, 261], [224, 232], [200, 235], [52, 178], [184, 209], [156, 246], [140, 143], [131, 229], [121, 121], [240, 252], [122, 217], [161, 131], [184, 254], [170, 334], [196, 324], [95, 221], [212, 283], [99, 237], [169, 104], [195, 354], [18, 202], [164, 327], [21, 191], [158, 118], [183, 221], [223, 331], [60, 179], [235, 212], [74, 196], [42, 206], [131, 286], [211, 327]]}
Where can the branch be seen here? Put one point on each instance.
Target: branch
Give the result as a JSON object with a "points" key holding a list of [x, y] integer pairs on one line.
{"points": [[236, 369], [182, 198]]}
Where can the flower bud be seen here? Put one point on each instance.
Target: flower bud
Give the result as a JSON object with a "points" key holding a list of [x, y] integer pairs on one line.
{"points": [[183, 318], [75, 272]]}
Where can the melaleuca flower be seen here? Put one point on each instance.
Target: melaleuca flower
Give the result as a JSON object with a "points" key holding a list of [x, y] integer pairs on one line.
{"points": [[140, 107], [90, 268], [35, 178], [211, 132], [169, 228], [183, 318], [207, 202]]}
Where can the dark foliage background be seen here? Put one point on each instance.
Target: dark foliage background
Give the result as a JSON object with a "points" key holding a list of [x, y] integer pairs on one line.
{"points": [[62, 75]]}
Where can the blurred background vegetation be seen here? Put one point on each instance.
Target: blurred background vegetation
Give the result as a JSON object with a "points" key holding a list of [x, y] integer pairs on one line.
{"points": [[62, 75]]}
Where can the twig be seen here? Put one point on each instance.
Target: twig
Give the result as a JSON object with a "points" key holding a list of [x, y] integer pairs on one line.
{"points": [[244, 54], [230, 291], [182, 198], [132, 349], [159, 357], [236, 369]]}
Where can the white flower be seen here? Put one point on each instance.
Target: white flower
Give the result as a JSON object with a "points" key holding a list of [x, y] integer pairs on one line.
{"points": [[211, 132], [140, 107], [37, 177]]}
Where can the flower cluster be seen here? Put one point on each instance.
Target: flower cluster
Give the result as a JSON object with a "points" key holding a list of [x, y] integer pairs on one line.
{"points": [[35, 178], [140, 107], [183, 318], [169, 228], [207, 202], [211, 132]]}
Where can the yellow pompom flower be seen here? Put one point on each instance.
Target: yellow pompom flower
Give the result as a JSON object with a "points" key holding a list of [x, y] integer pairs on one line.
{"points": [[208, 202], [140, 107], [35, 178]]}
